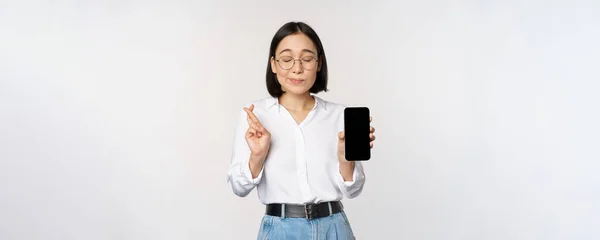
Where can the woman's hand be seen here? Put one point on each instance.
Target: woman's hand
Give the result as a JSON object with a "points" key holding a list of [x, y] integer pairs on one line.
{"points": [[341, 143], [257, 137]]}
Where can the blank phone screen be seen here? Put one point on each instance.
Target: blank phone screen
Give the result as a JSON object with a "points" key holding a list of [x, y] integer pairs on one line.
{"points": [[357, 130]]}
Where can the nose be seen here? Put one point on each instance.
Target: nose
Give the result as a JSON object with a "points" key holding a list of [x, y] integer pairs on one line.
{"points": [[297, 68]]}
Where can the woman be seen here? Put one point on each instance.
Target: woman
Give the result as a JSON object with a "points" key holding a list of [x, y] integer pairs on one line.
{"points": [[290, 146]]}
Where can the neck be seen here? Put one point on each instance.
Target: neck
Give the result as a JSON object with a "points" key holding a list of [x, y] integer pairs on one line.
{"points": [[296, 103]]}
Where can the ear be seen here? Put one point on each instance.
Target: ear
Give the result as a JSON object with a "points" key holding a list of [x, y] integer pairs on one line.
{"points": [[320, 63], [273, 65]]}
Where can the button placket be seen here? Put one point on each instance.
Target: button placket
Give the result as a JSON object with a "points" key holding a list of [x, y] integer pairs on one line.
{"points": [[301, 163]]}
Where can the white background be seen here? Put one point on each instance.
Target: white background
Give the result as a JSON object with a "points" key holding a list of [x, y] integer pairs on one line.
{"points": [[116, 117]]}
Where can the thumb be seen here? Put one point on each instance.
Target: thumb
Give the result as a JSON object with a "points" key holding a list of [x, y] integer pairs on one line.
{"points": [[341, 135]]}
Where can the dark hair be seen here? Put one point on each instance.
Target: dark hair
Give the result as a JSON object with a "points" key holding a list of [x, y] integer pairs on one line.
{"points": [[287, 29]]}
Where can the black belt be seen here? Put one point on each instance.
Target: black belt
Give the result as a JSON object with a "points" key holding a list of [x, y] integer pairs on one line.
{"points": [[308, 211]]}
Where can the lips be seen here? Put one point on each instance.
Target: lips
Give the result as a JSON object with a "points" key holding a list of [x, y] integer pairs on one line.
{"points": [[296, 81]]}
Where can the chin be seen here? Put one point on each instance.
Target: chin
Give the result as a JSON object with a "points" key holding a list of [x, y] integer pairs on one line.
{"points": [[296, 90]]}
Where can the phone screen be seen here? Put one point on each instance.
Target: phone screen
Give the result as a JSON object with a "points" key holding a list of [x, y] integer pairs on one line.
{"points": [[357, 128]]}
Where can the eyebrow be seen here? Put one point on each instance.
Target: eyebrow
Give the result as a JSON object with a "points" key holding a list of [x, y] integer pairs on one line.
{"points": [[303, 50]]}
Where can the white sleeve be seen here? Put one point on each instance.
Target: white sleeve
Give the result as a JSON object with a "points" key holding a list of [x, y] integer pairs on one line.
{"points": [[353, 188], [239, 175]]}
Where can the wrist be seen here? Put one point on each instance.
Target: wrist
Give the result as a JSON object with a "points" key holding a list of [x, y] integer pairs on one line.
{"points": [[346, 163], [256, 164], [257, 158], [347, 170], [342, 160]]}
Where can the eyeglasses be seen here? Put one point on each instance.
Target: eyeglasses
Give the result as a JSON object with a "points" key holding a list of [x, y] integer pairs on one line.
{"points": [[287, 62]]}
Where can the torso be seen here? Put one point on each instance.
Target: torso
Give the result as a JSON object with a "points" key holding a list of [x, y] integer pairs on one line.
{"points": [[302, 164]]}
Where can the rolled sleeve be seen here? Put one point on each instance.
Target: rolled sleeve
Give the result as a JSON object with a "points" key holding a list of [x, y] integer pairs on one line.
{"points": [[352, 189]]}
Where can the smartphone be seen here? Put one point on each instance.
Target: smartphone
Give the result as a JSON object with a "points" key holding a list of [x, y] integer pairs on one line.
{"points": [[357, 128]]}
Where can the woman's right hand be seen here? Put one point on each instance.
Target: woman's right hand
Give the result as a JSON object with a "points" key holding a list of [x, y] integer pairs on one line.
{"points": [[257, 137]]}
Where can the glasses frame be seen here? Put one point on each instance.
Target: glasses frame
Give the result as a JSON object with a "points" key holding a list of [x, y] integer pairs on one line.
{"points": [[294, 64]]}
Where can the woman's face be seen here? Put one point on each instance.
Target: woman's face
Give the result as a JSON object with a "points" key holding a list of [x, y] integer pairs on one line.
{"points": [[296, 64]]}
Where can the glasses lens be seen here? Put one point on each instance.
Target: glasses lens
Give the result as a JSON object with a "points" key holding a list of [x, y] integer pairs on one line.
{"points": [[286, 62], [309, 63]]}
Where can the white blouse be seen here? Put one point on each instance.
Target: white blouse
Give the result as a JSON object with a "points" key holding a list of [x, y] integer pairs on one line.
{"points": [[302, 164]]}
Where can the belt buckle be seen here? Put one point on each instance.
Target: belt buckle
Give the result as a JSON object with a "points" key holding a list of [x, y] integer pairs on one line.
{"points": [[308, 211]]}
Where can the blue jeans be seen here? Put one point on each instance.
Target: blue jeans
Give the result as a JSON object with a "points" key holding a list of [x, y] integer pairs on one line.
{"points": [[334, 227]]}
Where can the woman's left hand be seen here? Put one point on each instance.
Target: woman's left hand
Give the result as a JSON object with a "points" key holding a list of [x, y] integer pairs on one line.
{"points": [[341, 143]]}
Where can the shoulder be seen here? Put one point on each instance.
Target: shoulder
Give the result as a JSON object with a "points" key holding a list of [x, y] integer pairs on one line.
{"points": [[330, 105]]}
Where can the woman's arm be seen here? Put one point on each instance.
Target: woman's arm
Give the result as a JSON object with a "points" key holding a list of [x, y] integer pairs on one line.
{"points": [[347, 170], [352, 178], [245, 171], [352, 175]]}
